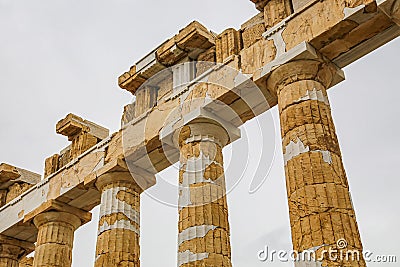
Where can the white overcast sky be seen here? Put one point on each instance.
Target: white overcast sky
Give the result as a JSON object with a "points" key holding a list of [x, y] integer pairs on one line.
{"points": [[58, 57]]}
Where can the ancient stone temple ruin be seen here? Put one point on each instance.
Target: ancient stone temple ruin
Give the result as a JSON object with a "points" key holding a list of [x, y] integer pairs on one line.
{"points": [[192, 93]]}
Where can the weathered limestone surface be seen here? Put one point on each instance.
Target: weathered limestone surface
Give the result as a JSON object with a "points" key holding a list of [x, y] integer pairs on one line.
{"points": [[146, 98], [26, 262], [260, 4], [265, 51], [191, 41], [328, 21], [205, 60], [320, 206], [204, 238], [275, 11], [82, 133], [253, 30], [12, 250], [341, 30], [228, 43], [55, 238], [119, 222], [128, 114], [14, 181]]}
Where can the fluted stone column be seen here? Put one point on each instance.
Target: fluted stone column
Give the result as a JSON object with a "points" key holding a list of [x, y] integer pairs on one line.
{"points": [[119, 222], [12, 250], [204, 238], [55, 238], [320, 205]]}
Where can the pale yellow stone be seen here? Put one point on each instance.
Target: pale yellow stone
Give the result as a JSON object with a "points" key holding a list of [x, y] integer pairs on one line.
{"points": [[207, 206], [55, 238], [320, 208]]}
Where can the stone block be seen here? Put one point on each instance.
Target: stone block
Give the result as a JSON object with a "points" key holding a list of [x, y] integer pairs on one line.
{"points": [[252, 30], [72, 125], [128, 114], [275, 11], [146, 98], [260, 4], [51, 165], [228, 43], [8, 172], [206, 60], [190, 41]]}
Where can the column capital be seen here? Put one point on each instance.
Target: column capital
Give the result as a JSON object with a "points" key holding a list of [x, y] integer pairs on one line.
{"points": [[197, 124], [302, 52], [118, 171], [13, 248], [55, 238], [57, 216], [59, 207], [202, 130], [302, 69], [117, 177]]}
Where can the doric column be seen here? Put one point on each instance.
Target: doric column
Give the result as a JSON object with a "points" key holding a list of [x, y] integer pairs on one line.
{"points": [[12, 250], [119, 222], [55, 238], [320, 206], [204, 238]]}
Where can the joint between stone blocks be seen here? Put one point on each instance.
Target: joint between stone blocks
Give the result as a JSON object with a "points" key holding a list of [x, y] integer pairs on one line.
{"points": [[57, 206], [119, 171]]}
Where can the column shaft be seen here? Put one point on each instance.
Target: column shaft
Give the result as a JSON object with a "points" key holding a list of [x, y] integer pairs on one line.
{"points": [[204, 238], [320, 206], [55, 238], [119, 224], [7, 262]]}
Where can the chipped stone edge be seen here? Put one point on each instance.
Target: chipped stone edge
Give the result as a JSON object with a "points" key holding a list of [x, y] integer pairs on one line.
{"points": [[294, 149]]}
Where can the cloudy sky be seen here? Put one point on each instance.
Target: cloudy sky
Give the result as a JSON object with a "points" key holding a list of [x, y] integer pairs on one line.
{"points": [[58, 57]]}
